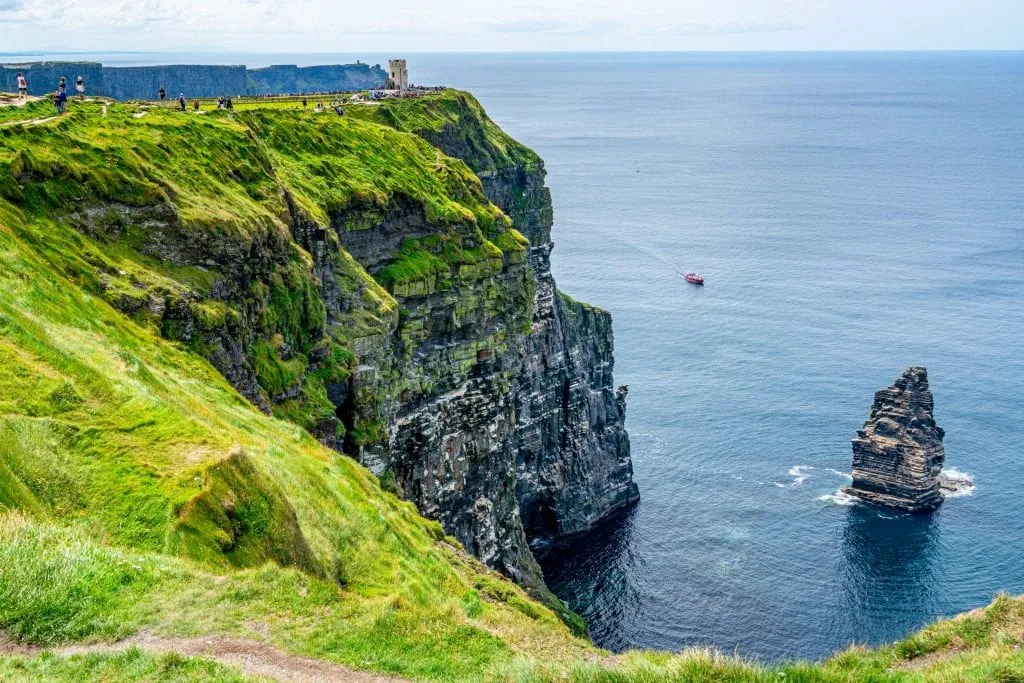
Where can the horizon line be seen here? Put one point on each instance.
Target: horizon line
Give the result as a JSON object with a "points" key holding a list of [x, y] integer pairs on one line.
{"points": [[210, 50]]}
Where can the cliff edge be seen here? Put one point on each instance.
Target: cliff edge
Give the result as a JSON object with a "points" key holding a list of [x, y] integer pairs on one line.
{"points": [[572, 451], [384, 285]]}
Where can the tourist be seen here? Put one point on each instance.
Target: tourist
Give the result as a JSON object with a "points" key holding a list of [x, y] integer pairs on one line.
{"points": [[303, 102], [181, 101], [22, 86], [80, 87], [195, 104], [60, 100], [63, 87], [162, 93]]}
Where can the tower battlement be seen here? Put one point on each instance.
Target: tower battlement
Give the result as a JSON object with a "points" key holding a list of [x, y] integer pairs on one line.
{"points": [[398, 75]]}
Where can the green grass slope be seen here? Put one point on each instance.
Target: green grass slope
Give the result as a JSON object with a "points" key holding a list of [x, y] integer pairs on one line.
{"points": [[456, 118], [140, 492], [133, 665]]}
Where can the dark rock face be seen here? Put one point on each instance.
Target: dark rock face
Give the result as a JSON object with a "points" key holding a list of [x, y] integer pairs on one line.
{"points": [[898, 454], [43, 77], [529, 444], [193, 80], [485, 395], [289, 78], [573, 462]]}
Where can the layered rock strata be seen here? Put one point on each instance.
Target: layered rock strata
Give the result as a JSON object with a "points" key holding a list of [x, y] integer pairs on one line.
{"points": [[898, 454], [392, 297], [573, 457], [561, 461]]}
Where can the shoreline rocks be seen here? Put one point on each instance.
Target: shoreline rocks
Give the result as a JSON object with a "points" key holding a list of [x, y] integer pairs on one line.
{"points": [[898, 453], [953, 484]]}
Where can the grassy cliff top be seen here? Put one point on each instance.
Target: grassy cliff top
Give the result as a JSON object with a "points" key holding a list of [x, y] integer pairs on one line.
{"points": [[456, 115], [140, 493]]}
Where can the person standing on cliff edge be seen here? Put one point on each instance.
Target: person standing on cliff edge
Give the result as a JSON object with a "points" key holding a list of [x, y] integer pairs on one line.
{"points": [[80, 87], [22, 86], [181, 101], [162, 93]]}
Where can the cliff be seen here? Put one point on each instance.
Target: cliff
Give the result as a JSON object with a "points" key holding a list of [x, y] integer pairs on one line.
{"points": [[573, 465], [145, 502], [194, 80], [353, 279], [898, 454]]}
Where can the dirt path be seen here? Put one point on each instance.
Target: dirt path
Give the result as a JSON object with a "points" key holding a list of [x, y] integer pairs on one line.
{"points": [[253, 658], [7, 100]]}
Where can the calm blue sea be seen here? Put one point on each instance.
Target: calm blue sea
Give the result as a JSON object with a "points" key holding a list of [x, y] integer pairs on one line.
{"points": [[853, 214]]}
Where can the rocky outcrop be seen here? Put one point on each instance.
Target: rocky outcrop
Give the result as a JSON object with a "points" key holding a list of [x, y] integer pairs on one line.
{"points": [[573, 463], [194, 80], [898, 454], [399, 305], [561, 459]]}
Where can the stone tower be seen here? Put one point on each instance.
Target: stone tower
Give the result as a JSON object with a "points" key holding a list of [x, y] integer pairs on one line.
{"points": [[398, 75]]}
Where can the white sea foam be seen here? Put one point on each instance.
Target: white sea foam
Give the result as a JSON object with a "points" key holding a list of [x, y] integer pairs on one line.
{"points": [[839, 498], [963, 480], [847, 475], [800, 473], [956, 475]]}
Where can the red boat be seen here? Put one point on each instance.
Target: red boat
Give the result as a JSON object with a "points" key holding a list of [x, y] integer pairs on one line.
{"points": [[694, 279]]}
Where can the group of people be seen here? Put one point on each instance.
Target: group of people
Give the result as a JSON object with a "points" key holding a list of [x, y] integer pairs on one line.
{"points": [[222, 102], [321, 108], [60, 97]]}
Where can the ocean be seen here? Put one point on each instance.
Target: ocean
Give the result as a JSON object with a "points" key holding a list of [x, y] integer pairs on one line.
{"points": [[853, 214]]}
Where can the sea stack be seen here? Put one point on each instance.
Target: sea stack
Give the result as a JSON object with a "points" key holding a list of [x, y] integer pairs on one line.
{"points": [[898, 454]]}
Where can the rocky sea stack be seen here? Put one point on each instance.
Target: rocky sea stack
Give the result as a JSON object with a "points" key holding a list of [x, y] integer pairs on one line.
{"points": [[898, 454]]}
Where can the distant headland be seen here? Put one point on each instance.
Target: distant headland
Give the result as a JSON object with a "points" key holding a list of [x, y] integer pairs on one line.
{"points": [[193, 80]]}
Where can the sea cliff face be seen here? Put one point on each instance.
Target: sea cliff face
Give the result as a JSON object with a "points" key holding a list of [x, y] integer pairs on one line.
{"points": [[356, 277], [192, 80], [564, 462], [573, 462], [573, 450]]}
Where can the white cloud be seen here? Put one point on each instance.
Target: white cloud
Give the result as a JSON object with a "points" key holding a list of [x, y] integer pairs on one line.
{"points": [[411, 25]]}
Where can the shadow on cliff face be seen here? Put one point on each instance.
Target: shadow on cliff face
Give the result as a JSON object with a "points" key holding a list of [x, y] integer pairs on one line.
{"points": [[890, 566], [596, 571]]}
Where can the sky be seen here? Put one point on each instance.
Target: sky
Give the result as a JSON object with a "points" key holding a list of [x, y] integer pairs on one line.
{"points": [[509, 25]]}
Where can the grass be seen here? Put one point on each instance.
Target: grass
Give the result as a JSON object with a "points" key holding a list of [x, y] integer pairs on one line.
{"points": [[456, 118], [157, 487], [165, 207], [128, 666], [37, 109], [486, 631], [140, 491]]}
